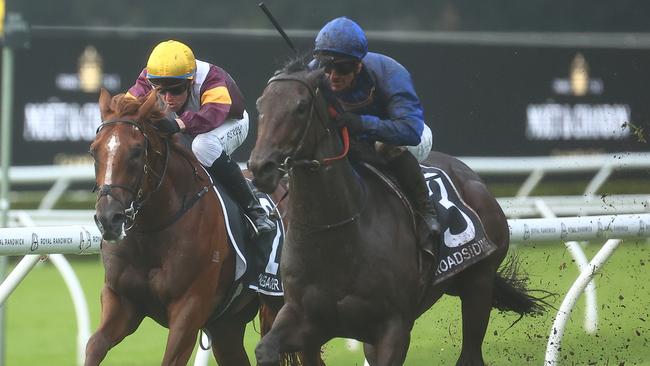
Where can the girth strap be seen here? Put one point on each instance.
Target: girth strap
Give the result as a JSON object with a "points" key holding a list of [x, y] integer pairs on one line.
{"points": [[393, 188], [186, 206]]}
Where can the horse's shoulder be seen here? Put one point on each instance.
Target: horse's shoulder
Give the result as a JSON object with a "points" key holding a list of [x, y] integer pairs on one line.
{"points": [[376, 178], [183, 145]]}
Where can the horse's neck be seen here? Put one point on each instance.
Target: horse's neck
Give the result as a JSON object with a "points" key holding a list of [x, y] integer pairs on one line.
{"points": [[179, 183], [326, 196]]}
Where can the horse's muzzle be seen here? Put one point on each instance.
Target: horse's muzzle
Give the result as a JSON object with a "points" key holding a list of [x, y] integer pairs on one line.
{"points": [[266, 175], [110, 222]]}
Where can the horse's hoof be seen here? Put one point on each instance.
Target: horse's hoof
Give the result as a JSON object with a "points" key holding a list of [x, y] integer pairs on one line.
{"points": [[261, 362], [266, 358]]}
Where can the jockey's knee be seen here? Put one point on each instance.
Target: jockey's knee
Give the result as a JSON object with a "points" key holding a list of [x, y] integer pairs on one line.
{"points": [[389, 152], [207, 149]]}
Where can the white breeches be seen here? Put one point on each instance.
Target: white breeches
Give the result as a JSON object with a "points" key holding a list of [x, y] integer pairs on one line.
{"points": [[421, 151], [207, 147]]}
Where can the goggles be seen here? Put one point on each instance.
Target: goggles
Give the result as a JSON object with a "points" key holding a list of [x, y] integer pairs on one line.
{"points": [[342, 65], [342, 68], [176, 89]]}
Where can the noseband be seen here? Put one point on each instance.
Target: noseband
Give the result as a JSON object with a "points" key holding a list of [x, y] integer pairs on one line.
{"points": [[139, 198], [313, 164]]}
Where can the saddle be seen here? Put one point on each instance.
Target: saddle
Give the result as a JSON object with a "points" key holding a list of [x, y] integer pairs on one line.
{"points": [[462, 240]]}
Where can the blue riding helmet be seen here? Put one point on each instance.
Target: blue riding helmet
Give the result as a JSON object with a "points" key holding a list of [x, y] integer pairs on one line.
{"points": [[342, 36]]}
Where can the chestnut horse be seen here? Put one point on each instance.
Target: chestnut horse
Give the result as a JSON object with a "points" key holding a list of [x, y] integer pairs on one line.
{"points": [[351, 266], [165, 251]]}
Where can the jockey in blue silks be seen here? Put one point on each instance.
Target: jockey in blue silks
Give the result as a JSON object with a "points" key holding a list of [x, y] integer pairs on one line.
{"points": [[379, 105]]}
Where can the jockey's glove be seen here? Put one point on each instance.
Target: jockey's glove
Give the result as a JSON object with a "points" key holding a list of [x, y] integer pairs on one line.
{"points": [[352, 121], [168, 124]]}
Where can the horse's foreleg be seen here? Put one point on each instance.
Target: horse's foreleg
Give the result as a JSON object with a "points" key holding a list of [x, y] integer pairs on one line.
{"points": [[370, 352], [228, 343], [228, 336], [392, 345], [119, 318], [186, 317], [269, 309], [287, 335]]}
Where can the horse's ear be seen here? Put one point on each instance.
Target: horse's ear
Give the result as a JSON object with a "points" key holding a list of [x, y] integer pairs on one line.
{"points": [[315, 76], [147, 107], [104, 103]]}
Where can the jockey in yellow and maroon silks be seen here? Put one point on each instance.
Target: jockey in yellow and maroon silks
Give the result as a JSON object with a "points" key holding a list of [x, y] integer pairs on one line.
{"points": [[203, 101]]}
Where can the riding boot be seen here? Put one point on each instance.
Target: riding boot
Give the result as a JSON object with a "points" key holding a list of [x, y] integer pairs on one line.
{"points": [[407, 171], [226, 171]]}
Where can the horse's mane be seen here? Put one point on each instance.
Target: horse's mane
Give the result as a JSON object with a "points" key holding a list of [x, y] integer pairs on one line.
{"points": [[301, 63], [126, 105], [296, 64]]}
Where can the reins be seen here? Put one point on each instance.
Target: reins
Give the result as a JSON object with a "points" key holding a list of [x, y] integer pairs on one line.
{"points": [[313, 164]]}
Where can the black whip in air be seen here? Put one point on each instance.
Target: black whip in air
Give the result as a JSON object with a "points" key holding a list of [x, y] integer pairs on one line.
{"points": [[277, 26]]}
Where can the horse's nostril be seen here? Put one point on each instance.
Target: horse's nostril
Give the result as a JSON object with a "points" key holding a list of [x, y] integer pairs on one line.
{"points": [[118, 219], [269, 167], [266, 176]]}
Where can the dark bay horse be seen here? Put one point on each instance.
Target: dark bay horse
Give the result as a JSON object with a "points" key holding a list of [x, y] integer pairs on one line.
{"points": [[165, 251], [350, 263]]}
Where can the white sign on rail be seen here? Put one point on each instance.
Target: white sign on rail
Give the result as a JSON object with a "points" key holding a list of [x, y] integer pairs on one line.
{"points": [[75, 239], [580, 228]]}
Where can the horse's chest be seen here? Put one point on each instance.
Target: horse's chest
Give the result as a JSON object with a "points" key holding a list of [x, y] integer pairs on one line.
{"points": [[139, 281], [328, 267]]}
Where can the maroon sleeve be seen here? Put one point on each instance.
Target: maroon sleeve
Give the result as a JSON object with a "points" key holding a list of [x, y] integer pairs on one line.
{"points": [[209, 117], [141, 86], [220, 100]]}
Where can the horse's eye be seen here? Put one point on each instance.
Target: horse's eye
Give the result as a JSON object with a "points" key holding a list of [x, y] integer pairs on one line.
{"points": [[136, 153], [302, 107]]}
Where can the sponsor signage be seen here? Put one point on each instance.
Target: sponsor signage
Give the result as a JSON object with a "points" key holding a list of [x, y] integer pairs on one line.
{"points": [[478, 100], [553, 121]]}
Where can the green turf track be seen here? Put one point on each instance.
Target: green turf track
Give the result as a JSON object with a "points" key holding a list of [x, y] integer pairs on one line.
{"points": [[42, 328]]}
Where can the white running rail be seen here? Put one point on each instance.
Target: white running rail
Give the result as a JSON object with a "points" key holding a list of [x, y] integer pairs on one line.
{"points": [[84, 246], [33, 242], [576, 229]]}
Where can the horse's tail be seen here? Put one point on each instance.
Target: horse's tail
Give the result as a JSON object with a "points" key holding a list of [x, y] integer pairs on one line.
{"points": [[511, 293], [267, 317]]}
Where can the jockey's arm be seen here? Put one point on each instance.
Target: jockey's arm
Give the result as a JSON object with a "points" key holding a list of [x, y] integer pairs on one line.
{"points": [[214, 110], [215, 104], [141, 86], [404, 123]]}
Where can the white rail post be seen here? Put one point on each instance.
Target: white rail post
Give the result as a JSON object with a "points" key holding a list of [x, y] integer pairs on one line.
{"points": [[557, 331], [76, 292], [17, 275], [79, 302], [591, 305]]}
